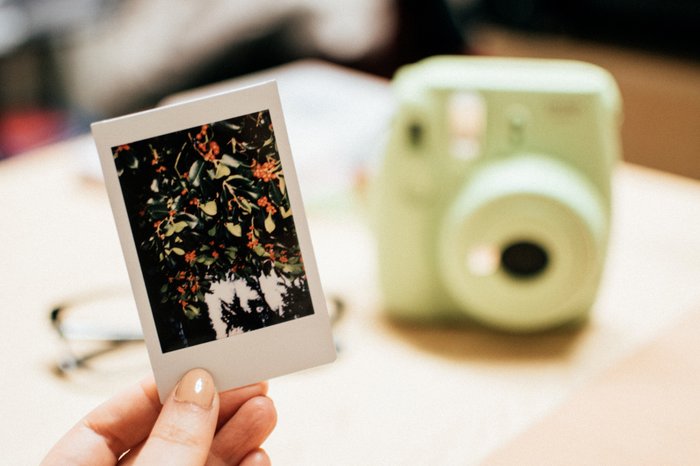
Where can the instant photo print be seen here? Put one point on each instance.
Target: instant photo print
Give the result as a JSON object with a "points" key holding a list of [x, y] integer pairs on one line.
{"points": [[213, 230]]}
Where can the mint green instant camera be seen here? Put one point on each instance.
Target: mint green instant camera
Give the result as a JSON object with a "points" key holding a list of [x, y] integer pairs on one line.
{"points": [[493, 199]]}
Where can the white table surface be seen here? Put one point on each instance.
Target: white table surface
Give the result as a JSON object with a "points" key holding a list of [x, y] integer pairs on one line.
{"points": [[397, 395]]}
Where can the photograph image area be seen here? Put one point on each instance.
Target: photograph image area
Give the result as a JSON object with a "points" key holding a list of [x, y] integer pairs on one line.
{"points": [[214, 231]]}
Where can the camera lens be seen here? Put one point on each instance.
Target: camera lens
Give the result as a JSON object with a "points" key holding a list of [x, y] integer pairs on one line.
{"points": [[524, 259]]}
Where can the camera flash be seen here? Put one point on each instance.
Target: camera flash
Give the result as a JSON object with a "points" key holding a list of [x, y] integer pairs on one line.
{"points": [[483, 260]]}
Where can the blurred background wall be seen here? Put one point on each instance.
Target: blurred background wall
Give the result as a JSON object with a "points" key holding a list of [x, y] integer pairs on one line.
{"points": [[65, 63]]}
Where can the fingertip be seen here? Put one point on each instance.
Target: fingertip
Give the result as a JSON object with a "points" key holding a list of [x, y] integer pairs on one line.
{"points": [[258, 387], [197, 387], [256, 457], [232, 400], [262, 410], [246, 430]]}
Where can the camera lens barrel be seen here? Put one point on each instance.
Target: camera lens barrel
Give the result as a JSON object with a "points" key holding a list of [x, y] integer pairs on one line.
{"points": [[493, 199], [522, 246]]}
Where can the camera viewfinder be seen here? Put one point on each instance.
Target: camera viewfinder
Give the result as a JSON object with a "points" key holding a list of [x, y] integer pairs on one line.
{"points": [[466, 114]]}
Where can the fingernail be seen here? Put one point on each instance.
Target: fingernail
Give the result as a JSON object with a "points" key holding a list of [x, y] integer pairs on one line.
{"points": [[197, 387]]}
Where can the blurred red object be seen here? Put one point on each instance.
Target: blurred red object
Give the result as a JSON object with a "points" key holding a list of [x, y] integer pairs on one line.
{"points": [[22, 130]]}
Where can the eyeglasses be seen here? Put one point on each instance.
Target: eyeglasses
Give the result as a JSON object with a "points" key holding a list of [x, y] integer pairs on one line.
{"points": [[93, 326]]}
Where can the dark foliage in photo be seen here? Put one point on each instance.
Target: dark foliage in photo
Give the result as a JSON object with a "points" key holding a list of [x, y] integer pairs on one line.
{"points": [[210, 204]]}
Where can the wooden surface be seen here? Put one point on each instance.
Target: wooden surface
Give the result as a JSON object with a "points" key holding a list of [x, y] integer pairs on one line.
{"points": [[642, 411], [397, 395]]}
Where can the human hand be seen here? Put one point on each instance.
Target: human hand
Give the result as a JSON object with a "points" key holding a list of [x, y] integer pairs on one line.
{"points": [[195, 426]]}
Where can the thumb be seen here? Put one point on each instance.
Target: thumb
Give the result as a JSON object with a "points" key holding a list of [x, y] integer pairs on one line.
{"points": [[183, 433]]}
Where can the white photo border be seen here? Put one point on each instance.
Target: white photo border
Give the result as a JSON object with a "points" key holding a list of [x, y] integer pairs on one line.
{"points": [[251, 356]]}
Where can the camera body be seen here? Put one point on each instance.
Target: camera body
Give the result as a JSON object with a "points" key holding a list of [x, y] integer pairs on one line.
{"points": [[492, 202]]}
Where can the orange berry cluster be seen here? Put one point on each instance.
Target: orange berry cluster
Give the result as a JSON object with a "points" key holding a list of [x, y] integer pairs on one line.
{"points": [[252, 240], [264, 171], [208, 149], [267, 205], [190, 256]]}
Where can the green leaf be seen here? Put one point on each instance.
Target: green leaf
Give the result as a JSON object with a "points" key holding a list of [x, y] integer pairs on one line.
{"points": [[157, 209], [234, 229], [191, 312], [209, 208], [179, 226], [285, 212], [269, 224], [169, 230], [191, 220], [178, 251], [259, 250], [291, 269], [206, 260], [195, 172], [230, 161], [132, 162], [221, 171], [247, 206], [283, 186], [231, 252]]}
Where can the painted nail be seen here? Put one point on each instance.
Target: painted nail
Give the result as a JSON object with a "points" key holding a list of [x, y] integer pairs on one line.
{"points": [[197, 387]]}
